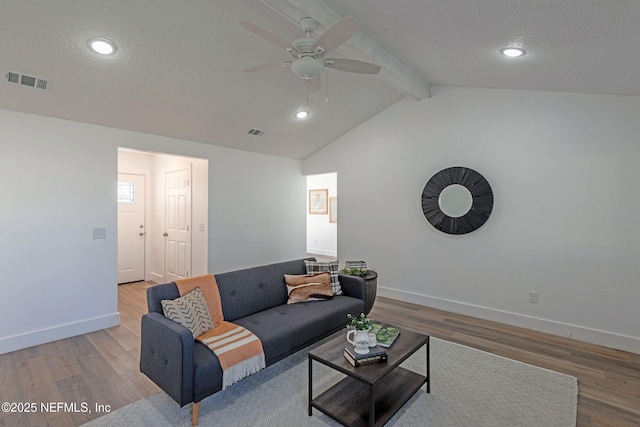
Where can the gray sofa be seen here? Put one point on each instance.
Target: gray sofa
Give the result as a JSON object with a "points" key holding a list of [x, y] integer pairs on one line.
{"points": [[255, 298]]}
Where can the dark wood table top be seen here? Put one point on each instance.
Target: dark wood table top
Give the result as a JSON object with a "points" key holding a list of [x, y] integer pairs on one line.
{"points": [[331, 354]]}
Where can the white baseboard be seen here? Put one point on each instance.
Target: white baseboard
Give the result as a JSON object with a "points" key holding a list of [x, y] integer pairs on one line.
{"points": [[29, 339], [580, 333], [158, 278]]}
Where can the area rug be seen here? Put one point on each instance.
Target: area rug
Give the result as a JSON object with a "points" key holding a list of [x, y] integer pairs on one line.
{"points": [[468, 388]]}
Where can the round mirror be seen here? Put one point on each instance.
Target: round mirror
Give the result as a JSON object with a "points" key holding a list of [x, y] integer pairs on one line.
{"points": [[455, 200]]}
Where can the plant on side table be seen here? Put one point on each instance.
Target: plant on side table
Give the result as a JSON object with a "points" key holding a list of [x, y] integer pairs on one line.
{"points": [[356, 271]]}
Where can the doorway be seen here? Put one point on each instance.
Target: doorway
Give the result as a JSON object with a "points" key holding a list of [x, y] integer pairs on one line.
{"points": [[176, 198], [177, 254], [322, 224], [131, 227]]}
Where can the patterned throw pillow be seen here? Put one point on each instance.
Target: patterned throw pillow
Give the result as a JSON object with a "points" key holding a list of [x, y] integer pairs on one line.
{"points": [[321, 267], [190, 310], [308, 287]]}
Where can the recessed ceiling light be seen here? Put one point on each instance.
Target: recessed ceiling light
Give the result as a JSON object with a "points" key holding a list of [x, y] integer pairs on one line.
{"points": [[512, 52], [101, 46], [302, 114]]}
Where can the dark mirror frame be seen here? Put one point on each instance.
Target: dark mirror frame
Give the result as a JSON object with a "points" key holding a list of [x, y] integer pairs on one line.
{"points": [[480, 208]]}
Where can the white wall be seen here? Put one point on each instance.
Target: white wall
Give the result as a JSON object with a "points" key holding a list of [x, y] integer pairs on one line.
{"points": [[322, 235], [59, 182], [565, 173]]}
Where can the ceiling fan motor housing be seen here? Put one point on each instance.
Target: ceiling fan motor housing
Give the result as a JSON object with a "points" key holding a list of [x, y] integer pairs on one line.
{"points": [[308, 25]]}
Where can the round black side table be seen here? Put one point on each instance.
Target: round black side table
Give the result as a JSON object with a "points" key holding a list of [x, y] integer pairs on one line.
{"points": [[370, 290]]}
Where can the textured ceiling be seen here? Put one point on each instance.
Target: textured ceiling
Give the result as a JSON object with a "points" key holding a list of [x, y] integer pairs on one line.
{"points": [[177, 70], [572, 45]]}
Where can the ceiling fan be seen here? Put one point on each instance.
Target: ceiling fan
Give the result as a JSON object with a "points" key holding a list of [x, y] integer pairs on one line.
{"points": [[309, 52]]}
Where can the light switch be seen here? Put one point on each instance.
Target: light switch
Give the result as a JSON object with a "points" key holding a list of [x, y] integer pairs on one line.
{"points": [[99, 233]]}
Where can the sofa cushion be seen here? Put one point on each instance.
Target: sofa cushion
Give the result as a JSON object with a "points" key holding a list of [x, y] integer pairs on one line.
{"points": [[321, 267], [308, 287], [190, 310], [248, 291], [285, 329]]}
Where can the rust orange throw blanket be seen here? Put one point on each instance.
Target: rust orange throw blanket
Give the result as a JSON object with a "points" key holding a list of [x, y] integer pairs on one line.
{"points": [[239, 351]]}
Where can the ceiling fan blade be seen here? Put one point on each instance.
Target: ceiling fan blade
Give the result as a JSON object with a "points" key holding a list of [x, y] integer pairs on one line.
{"points": [[352, 66], [337, 34], [313, 84], [264, 67], [267, 35]]}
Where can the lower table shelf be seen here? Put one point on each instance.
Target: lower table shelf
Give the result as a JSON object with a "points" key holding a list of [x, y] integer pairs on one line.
{"points": [[349, 401]]}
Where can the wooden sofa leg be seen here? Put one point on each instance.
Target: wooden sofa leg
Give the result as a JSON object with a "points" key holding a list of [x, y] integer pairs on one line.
{"points": [[195, 413]]}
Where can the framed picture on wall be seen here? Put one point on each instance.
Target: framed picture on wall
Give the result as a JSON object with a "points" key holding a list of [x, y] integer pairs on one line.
{"points": [[333, 209], [318, 202]]}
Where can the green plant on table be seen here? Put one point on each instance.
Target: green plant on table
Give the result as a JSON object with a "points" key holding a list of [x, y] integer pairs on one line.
{"points": [[359, 323], [355, 271]]}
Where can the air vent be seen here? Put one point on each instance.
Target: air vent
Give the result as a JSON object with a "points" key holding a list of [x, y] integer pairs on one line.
{"points": [[256, 132], [13, 77], [25, 80]]}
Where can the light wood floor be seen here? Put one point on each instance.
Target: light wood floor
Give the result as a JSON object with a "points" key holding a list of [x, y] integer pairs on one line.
{"points": [[103, 367]]}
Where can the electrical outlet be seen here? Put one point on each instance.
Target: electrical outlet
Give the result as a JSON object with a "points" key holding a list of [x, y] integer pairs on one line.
{"points": [[533, 297]]}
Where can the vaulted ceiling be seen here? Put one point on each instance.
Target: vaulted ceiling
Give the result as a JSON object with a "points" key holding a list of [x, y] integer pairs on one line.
{"points": [[177, 70]]}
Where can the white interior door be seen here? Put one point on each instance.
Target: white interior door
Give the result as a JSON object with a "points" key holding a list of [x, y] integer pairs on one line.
{"points": [[177, 224], [131, 227]]}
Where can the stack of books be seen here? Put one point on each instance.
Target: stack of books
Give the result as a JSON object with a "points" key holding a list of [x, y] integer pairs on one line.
{"points": [[357, 265], [376, 355]]}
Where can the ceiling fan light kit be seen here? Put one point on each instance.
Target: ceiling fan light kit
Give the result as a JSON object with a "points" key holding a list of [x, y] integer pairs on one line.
{"points": [[307, 67]]}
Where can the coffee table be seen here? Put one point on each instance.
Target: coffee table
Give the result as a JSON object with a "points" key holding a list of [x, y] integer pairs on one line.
{"points": [[369, 395]]}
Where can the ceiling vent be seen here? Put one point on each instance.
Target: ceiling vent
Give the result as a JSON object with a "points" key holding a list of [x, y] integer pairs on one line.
{"points": [[256, 132], [25, 80]]}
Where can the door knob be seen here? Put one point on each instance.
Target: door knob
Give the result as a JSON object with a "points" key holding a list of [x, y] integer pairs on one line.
{"points": [[142, 234], [165, 234]]}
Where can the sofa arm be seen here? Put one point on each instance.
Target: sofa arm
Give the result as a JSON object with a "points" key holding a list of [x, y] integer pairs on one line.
{"points": [[166, 356], [352, 286]]}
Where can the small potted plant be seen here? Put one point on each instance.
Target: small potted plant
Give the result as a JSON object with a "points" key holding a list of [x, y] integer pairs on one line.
{"points": [[359, 323], [359, 326], [356, 271]]}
